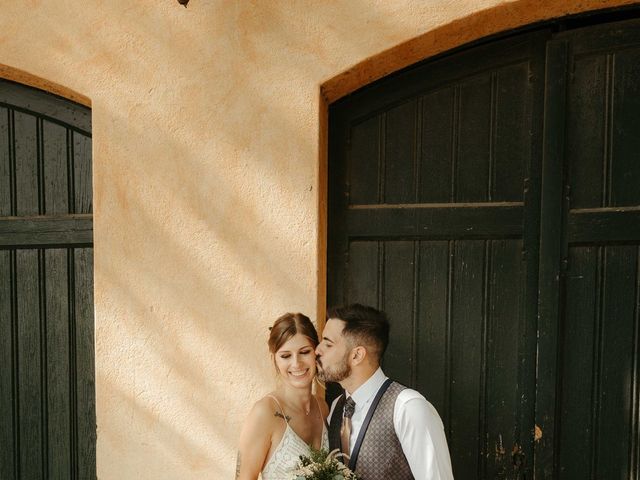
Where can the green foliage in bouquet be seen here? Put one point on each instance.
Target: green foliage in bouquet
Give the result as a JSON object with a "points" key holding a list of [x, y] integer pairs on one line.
{"points": [[322, 465]]}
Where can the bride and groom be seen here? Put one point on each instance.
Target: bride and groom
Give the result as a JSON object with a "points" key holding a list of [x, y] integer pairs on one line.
{"points": [[388, 431]]}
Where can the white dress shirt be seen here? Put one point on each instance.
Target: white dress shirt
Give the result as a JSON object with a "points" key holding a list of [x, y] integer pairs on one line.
{"points": [[417, 425]]}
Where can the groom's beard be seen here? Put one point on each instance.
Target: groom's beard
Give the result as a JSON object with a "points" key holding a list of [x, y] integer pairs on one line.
{"points": [[334, 374]]}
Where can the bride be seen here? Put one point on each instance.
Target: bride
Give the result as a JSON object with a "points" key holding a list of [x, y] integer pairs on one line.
{"points": [[282, 425]]}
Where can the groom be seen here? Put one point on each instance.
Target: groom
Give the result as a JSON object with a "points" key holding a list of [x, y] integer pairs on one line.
{"points": [[388, 430]]}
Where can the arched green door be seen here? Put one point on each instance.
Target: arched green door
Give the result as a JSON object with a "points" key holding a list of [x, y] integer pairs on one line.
{"points": [[474, 197], [47, 393]]}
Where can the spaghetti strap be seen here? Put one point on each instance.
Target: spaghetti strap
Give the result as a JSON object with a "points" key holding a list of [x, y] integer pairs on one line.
{"points": [[284, 417], [318, 404], [324, 420]]}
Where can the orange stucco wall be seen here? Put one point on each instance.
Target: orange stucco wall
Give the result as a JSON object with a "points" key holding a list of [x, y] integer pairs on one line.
{"points": [[208, 131]]}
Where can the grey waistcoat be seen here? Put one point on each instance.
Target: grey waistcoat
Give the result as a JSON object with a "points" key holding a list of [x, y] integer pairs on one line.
{"points": [[380, 456]]}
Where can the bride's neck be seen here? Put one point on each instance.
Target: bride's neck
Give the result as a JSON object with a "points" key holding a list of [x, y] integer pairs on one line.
{"points": [[298, 397]]}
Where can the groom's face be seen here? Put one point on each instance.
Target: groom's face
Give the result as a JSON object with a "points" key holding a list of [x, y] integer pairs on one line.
{"points": [[332, 354]]}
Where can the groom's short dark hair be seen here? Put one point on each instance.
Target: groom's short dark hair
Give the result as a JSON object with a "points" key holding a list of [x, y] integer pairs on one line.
{"points": [[364, 325]]}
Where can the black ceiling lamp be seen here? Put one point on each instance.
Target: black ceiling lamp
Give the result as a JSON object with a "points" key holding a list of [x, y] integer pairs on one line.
{"points": [[183, 3]]}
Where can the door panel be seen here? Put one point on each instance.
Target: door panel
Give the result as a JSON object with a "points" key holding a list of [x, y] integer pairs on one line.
{"points": [[604, 112], [507, 260], [599, 365], [598, 315], [428, 222], [47, 392]]}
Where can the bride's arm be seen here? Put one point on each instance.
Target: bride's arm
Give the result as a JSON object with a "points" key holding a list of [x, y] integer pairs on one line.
{"points": [[255, 441]]}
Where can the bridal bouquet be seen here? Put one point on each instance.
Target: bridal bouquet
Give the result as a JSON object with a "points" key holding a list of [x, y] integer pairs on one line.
{"points": [[322, 465]]}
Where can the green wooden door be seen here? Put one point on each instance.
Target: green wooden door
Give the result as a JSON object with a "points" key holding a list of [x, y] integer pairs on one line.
{"points": [[433, 217], [590, 282], [480, 202], [47, 394]]}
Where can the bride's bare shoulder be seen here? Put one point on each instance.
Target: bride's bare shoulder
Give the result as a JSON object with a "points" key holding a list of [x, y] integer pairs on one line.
{"points": [[265, 410]]}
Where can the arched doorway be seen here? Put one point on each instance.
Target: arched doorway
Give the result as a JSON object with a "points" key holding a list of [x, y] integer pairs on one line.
{"points": [[47, 387], [488, 201]]}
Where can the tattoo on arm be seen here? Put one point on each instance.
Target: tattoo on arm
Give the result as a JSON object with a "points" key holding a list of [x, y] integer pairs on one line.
{"points": [[238, 467], [286, 417]]}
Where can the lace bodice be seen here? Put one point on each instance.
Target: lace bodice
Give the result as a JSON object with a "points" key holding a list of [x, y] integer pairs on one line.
{"points": [[286, 455]]}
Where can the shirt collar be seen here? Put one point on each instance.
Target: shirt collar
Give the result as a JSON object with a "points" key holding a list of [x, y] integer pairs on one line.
{"points": [[368, 389]]}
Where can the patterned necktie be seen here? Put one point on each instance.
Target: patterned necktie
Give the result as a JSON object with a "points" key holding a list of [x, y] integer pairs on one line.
{"points": [[345, 430]]}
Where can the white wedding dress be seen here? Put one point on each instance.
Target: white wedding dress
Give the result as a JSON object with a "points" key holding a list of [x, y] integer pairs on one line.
{"points": [[286, 455]]}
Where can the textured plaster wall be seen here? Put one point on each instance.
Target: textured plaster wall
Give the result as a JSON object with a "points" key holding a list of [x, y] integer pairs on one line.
{"points": [[208, 153]]}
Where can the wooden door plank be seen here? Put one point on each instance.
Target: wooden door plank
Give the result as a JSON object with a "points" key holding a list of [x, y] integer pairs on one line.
{"points": [[551, 255], [85, 401], [505, 322], [46, 231], [364, 162], [588, 104], [7, 364], [57, 362], [27, 164], [82, 174], [575, 431], [398, 303], [337, 202], [615, 356], [436, 221], [6, 165], [400, 146], [473, 148], [512, 131], [363, 273], [436, 146], [55, 169], [31, 393], [432, 360], [604, 225], [467, 327]]}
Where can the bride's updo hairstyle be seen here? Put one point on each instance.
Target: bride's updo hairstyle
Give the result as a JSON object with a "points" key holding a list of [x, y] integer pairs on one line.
{"points": [[289, 325]]}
